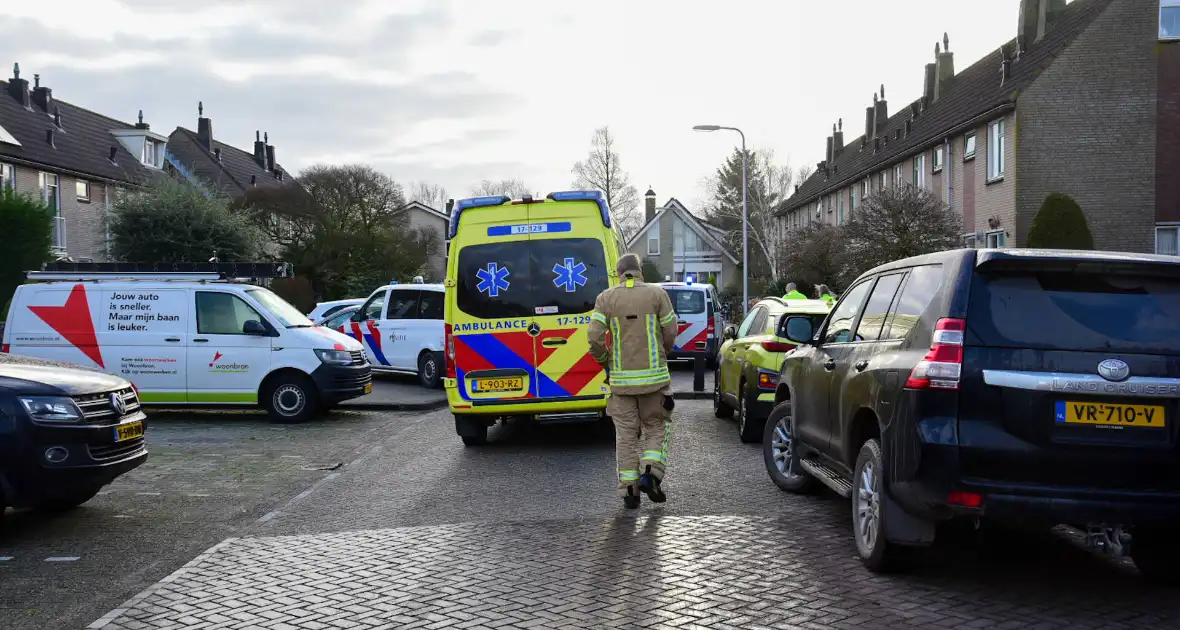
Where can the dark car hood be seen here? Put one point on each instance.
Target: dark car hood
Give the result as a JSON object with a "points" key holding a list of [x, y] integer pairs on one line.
{"points": [[26, 375]]}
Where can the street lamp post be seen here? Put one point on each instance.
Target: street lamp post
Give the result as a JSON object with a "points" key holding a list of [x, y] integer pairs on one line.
{"points": [[745, 218]]}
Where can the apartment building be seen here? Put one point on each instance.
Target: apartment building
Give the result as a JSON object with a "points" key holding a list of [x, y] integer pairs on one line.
{"points": [[72, 159], [1084, 100]]}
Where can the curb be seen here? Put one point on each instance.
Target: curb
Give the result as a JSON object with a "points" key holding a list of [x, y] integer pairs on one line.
{"points": [[393, 406]]}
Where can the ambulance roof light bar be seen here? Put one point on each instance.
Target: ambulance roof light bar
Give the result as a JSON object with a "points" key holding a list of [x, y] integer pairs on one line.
{"points": [[476, 202]]}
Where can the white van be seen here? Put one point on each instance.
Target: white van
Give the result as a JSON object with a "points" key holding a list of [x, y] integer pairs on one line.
{"points": [[188, 339], [402, 330]]}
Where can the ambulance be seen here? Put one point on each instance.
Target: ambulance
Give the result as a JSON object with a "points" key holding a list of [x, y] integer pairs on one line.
{"points": [[522, 278], [188, 339]]}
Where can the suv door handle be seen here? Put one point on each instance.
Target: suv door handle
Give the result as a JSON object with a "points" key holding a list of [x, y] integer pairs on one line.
{"points": [[830, 365], [861, 365]]}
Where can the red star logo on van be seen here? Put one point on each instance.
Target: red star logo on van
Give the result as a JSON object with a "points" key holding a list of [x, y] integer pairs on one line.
{"points": [[73, 322], [216, 356]]}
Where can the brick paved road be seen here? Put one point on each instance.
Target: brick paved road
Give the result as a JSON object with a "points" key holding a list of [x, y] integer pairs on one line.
{"points": [[526, 533]]}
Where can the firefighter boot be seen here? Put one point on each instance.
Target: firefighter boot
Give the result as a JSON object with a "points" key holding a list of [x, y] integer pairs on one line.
{"points": [[631, 501], [650, 484]]}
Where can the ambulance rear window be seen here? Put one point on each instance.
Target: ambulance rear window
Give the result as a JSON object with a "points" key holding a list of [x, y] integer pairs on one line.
{"points": [[527, 278], [687, 301]]}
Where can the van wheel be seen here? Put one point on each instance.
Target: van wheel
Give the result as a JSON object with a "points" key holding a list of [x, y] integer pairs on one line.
{"points": [[720, 409], [290, 398], [65, 500], [868, 513], [429, 370]]}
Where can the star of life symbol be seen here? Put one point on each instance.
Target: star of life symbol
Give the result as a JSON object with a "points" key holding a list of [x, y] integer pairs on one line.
{"points": [[492, 280], [569, 275]]}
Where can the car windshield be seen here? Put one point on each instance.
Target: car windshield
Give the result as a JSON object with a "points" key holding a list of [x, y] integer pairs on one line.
{"points": [[281, 309], [687, 301], [1076, 311]]}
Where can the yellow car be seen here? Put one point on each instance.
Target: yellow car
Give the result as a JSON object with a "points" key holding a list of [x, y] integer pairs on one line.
{"points": [[522, 278], [750, 360]]}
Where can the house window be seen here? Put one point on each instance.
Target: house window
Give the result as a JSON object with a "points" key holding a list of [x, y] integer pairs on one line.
{"points": [[1167, 240], [864, 190], [151, 152], [968, 147], [995, 240], [653, 244], [995, 150], [50, 193], [920, 171], [883, 180], [839, 208], [851, 200], [7, 176], [1169, 19], [82, 187], [897, 180], [936, 158], [969, 241]]}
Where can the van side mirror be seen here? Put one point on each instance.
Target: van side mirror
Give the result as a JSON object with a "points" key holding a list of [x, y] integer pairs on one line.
{"points": [[797, 328], [254, 327], [730, 332]]}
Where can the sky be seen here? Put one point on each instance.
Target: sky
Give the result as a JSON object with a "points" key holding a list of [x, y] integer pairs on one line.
{"points": [[452, 92]]}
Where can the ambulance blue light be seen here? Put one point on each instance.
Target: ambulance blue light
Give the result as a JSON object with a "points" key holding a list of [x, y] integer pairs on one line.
{"points": [[585, 195], [476, 202]]}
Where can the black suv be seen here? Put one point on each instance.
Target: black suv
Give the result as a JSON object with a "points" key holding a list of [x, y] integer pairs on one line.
{"points": [[1012, 387], [65, 432]]}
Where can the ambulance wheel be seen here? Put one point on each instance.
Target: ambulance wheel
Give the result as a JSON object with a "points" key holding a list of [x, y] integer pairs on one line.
{"points": [[473, 431], [290, 398], [429, 369]]}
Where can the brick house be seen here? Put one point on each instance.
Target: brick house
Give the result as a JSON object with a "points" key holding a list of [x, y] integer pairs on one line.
{"points": [[681, 244], [1085, 100], [72, 159]]}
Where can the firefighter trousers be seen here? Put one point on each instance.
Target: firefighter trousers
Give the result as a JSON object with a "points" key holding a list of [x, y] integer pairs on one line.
{"points": [[643, 429]]}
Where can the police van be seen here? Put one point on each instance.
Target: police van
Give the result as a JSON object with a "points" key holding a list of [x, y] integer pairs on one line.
{"points": [[699, 317], [522, 278], [401, 329], [188, 339]]}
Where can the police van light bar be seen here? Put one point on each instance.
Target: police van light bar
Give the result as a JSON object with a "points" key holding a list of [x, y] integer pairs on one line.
{"points": [[688, 279], [474, 202]]}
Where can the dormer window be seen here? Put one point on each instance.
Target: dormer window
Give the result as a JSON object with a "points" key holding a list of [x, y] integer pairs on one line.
{"points": [[144, 144], [151, 153]]}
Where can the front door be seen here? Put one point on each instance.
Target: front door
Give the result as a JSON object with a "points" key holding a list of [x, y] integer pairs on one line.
{"points": [[225, 364], [396, 328]]}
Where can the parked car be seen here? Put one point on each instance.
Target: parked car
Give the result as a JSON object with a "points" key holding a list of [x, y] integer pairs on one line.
{"points": [[750, 359], [325, 309], [65, 432], [699, 318], [339, 320], [1013, 387]]}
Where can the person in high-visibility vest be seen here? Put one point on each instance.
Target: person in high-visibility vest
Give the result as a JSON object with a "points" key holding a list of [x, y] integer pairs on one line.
{"points": [[793, 293], [642, 326], [822, 292]]}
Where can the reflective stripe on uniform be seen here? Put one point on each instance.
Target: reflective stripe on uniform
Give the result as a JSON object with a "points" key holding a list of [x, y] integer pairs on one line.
{"points": [[630, 283], [616, 346], [654, 456], [657, 376], [628, 475], [653, 341], [670, 318], [598, 317]]}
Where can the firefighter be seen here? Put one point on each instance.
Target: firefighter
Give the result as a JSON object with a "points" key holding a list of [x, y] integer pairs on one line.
{"points": [[793, 293], [642, 328]]}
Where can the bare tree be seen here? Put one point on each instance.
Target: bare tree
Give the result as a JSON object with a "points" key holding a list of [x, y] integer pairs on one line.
{"points": [[514, 188], [432, 195], [899, 222], [602, 170], [815, 254]]}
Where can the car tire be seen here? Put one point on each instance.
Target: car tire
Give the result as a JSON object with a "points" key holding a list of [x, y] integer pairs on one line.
{"points": [[868, 513], [65, 500], [749, 431], [429, 370], [779, 453], [720, 408], [1157, 555], [291, 399]]}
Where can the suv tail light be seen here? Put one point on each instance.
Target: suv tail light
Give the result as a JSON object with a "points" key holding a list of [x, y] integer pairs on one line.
{"points": [[450, 350], [942, 366], [777, 346]]}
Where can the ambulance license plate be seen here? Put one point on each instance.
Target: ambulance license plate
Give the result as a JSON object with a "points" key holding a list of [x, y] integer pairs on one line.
{"points": [[494, 385], [128, 431]]}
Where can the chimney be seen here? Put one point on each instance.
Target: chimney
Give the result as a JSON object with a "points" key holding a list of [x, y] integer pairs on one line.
{"points": [[270, 157], [217, 153], [42, 96], [253, 180], [1036, 17], [204, 128], [870, 112], [828, 154], [1005, 64], [881, 112], [259, 149], [19, 88], [838, 139], [450, 206], [49, 137], [57, 116], [928, 79], [141, 124], [944, 68], [649, 206], [111, 155]]}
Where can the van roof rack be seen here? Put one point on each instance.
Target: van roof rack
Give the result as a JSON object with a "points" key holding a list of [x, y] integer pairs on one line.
{"points": [[74, 271]]}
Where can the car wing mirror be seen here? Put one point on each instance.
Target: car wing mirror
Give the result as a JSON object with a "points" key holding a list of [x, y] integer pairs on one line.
{"points": [[797, 328]]}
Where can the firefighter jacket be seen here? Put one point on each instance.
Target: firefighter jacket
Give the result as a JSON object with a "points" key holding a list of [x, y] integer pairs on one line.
{"points": [[642, 327]]}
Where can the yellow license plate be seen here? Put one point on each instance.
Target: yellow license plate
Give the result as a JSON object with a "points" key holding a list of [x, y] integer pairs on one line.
{"points": [[1110, 414], [490, 385], [368, 388], [128, 431]]}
